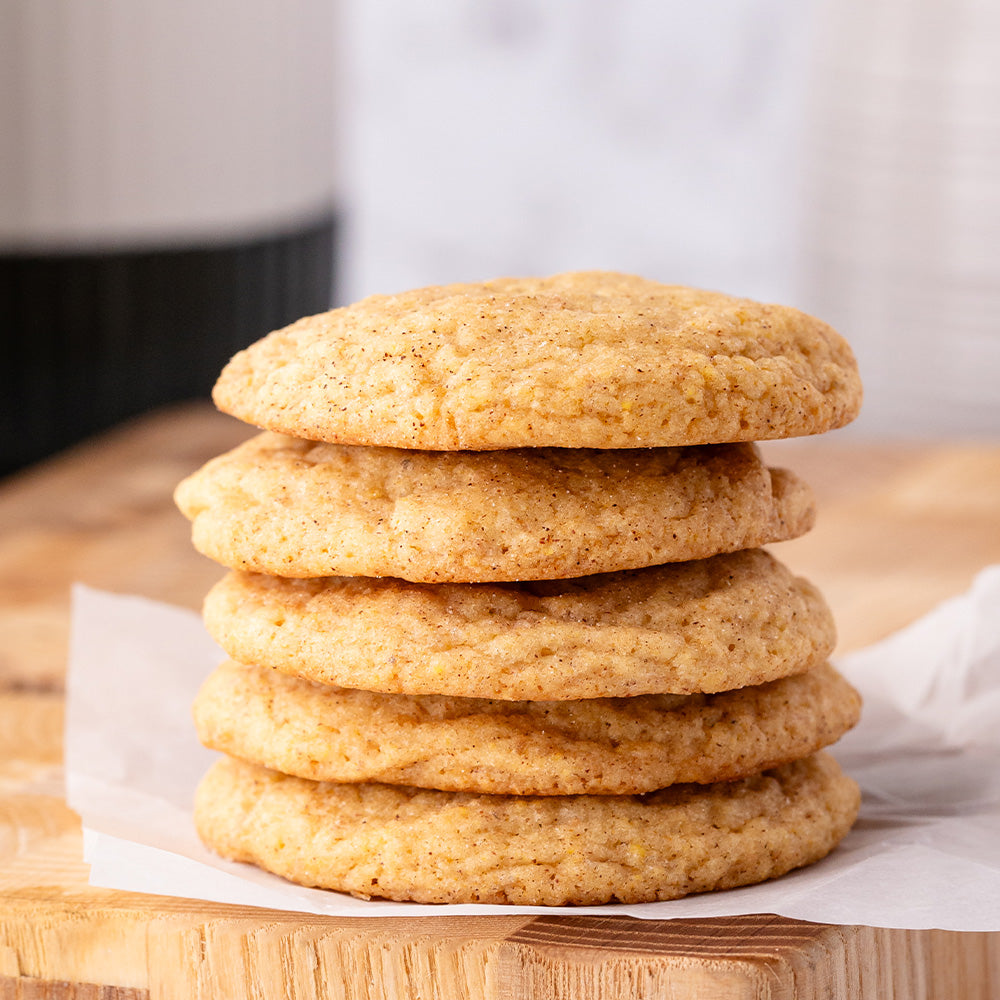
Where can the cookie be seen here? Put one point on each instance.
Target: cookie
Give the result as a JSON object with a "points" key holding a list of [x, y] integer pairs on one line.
{"points": [[602, 746], [289, 507], [404, 843], [703, 626], [585, 360]]}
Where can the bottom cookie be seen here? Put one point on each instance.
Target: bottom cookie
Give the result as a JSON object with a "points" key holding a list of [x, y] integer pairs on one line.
{"points": [[405, 843]]}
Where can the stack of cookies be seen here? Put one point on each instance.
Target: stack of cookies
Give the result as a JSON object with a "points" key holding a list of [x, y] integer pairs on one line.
{"points": [[501, 626]]}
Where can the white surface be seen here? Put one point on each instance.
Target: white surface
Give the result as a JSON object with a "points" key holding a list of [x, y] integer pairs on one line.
{"points": [[147, 122], [485, 139], [900, 212], [925, 853]]}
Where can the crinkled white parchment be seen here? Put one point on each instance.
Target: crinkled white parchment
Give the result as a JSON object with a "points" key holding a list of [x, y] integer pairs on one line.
{"points": [[925, 852]]}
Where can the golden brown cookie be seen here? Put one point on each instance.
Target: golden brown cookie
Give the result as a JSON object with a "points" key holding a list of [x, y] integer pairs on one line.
{"points": [[452, 847], [708, 625], [602, 746], [289, 507], [584, 360]]}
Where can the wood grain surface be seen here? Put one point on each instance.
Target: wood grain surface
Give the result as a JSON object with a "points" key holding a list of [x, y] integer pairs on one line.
{"points": [[901, 527]]}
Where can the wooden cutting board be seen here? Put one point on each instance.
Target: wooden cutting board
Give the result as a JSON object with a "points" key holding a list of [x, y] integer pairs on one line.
{"points": [[901, 528]]}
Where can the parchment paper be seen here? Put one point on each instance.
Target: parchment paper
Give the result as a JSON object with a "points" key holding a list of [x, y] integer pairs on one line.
{"points": [[925, 852]]}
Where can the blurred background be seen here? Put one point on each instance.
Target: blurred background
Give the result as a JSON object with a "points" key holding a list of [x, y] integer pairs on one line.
{"points": [[178, 179]]}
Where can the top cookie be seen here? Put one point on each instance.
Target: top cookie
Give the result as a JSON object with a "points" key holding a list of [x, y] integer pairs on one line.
{"points": [[580, 360]]}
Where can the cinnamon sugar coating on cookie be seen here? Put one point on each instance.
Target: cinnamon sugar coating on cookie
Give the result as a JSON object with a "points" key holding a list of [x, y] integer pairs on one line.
{"points": [[703, 626], [581, 360], [289, 507], [601, 746], [404, 843]]}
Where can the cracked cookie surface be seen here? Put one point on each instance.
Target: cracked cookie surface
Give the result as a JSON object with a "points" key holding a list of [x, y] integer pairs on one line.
{"points": [[601, 746], [295, 508], [709, 625], [404, 843], [581, 360]]}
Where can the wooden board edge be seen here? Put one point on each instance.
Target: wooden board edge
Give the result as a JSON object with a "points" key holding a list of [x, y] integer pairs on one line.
{"points": [[27, 988]]}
